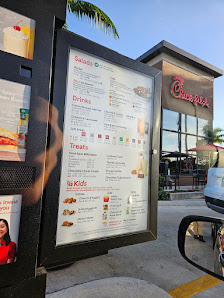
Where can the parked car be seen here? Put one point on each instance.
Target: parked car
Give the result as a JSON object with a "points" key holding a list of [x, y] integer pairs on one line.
{"points": [[214, 197], [214, 190]]}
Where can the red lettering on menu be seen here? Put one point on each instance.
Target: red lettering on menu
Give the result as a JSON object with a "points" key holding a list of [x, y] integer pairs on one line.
{"points": [[80, 183], [178, 92], [81, 60], [80, 99], [81, 147], [70, 183]]}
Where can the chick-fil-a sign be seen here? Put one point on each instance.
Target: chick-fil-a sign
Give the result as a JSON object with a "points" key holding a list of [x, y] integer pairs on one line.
{"points": [[178, 92]]}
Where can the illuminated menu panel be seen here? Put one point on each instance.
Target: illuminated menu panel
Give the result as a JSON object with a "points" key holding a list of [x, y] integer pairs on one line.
{"points": [[105, 159]]}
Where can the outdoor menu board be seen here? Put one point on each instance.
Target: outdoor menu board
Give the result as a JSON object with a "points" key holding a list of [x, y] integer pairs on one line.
{"points": [[105, 158], [14, 118]]}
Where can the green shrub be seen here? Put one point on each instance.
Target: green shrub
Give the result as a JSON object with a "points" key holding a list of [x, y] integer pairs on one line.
{"points": [[162, 195], [160, 181]]}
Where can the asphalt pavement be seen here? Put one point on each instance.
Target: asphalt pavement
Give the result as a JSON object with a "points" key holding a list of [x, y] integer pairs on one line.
{"points": [[147, 269]]}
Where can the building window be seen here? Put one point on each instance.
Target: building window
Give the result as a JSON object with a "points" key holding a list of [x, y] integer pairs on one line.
{"points": [[170, 141], [191, 124], [181, 132], [188, 142], [204, 128], [171, 120]]}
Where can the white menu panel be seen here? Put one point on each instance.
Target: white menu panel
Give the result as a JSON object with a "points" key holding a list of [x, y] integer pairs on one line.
{"points": [[105, 159]]}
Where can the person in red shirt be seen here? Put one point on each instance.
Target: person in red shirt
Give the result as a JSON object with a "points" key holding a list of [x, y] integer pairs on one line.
{"points": [[7, 247]]}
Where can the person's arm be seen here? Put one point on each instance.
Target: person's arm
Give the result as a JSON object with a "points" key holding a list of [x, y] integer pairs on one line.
{"points": [[12, 252]]}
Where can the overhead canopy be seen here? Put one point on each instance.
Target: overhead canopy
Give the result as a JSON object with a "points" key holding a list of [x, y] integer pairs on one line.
{"points": [[207, 147]]}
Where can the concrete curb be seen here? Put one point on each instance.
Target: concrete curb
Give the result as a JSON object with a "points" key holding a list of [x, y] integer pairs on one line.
{"points": [[185, 203], [115, 287], [186, 195]]}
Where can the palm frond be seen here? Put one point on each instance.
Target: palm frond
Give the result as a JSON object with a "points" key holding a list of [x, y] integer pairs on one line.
{"points": [[218, 136], [65, 26], [94, 14]]}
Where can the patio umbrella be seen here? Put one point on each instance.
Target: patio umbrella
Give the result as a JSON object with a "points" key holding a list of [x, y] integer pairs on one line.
{"points": [[207, 147]]}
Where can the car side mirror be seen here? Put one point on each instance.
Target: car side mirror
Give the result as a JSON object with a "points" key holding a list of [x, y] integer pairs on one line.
{"points": [[201, 243]]}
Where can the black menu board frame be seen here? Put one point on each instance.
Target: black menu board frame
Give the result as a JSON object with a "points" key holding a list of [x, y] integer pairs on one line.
{"points": [[50, 254]]}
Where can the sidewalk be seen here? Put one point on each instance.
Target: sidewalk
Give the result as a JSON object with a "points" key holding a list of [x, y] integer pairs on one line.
{"points": [[115, 287], [184, 202]]}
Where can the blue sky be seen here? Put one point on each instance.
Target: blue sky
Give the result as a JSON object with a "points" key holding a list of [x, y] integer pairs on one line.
{"points": [[195, 26]]}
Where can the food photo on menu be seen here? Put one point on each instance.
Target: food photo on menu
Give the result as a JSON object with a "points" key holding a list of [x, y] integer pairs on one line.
{"points": [[10, 208], [14, 119], [17, 34]]}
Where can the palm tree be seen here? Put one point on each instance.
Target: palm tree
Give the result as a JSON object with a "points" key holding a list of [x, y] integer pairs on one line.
{"points": [[218, 136], [93, 13]]}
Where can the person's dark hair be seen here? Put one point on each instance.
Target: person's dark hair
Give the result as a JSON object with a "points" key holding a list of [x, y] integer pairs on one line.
{"points": [[6, 237]]}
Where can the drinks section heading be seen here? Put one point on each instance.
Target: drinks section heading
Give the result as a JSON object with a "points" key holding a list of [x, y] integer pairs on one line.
{"points": [[105, 159]]}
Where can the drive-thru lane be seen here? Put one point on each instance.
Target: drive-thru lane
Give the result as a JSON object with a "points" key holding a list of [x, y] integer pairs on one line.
{"points": [[158, 262]]}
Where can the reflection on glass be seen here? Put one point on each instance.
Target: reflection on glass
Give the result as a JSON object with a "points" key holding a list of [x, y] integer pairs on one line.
{"points": [[187, 142], [170, 141], [188, 164], [199, 244], [221, 163], [203, 160], [203, 141], [173, 163], [204, 127], [183, 143], [171, 120], [184, 123], [191, 124], [191, 142]]}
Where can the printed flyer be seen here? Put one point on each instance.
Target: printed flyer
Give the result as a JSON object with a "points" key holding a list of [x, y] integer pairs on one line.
{"points": [[10, 209], [17, 34], [105, 158], [14, 118]]}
